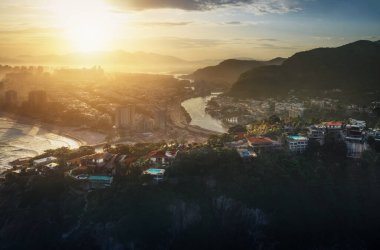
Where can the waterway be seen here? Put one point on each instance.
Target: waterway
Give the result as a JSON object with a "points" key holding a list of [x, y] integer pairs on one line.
{"points": [[196, 108]]}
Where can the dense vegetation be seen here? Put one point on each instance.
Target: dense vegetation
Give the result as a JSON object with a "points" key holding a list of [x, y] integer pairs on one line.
{"points": [[210, 200], [352, 68]]}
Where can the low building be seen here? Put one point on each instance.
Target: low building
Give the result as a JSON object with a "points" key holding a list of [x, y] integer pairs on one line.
{"points": [[354, 133], [317, 132], [297, 143], [162, 157], [258, 143], [334, 125], [96, 160], [44, 161], [358, 123]]}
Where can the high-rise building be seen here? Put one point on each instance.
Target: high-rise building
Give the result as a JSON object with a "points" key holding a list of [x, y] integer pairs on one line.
{"points": [[10, 98], [1, 93], [125, 117], [160, 119], [37, 98]]}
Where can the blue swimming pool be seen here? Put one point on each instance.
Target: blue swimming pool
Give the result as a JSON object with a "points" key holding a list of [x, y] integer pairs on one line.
{"points": [[152, 170], [100, 178], [155, 171], [296, 137]]}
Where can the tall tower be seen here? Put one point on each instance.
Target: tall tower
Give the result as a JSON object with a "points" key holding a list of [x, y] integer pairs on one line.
{"points": [[37, 98], [160, 119], [125, 117], [10, 99]]}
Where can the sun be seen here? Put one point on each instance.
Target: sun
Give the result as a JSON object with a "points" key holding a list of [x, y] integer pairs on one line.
{"points": [[88, 35], [87, 24]]}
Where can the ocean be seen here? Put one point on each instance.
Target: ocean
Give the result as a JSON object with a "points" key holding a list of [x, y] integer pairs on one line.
{"points": [[20, 140]]}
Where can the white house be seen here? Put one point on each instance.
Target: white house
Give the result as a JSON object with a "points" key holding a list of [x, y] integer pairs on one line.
{"points": [[297, 143], [44, 161]]}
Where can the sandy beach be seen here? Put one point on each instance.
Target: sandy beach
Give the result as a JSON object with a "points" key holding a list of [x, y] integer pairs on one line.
{"points": [[81, 136]]}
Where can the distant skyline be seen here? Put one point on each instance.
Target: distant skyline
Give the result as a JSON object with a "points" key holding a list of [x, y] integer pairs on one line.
{"points": [[188, 29]]}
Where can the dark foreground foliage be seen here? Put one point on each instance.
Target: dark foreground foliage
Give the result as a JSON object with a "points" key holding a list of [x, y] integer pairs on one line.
{"points": [[211, 200]]}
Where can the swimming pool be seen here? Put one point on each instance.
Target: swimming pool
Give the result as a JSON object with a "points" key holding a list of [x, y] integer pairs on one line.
{"points": [[155, 171], [100, 178]]}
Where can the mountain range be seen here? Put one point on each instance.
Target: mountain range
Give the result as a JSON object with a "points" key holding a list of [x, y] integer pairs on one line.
{"points": [[120, 60], [228, 71], [353, 67]]}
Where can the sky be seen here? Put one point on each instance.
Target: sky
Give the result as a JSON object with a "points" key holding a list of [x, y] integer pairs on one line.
{"points": [[189, 29]]}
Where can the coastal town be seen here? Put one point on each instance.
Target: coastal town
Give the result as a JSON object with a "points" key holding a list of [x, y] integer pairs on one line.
{"points": [[111, 125], [96, 168]]}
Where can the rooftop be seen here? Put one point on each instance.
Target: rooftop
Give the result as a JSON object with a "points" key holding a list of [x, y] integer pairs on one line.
{"points": [[157, 154], [43, 160], [333, 123], [260, 140]]}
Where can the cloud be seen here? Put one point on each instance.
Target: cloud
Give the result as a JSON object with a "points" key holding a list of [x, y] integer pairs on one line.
{"points": [[167, 24], [268, 40], [256, 6], [274, 46], [185, 43], [233, 23], [32, 31]]}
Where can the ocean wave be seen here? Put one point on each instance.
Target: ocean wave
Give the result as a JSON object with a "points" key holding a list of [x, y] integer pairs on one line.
{"points": [[15, 142]]}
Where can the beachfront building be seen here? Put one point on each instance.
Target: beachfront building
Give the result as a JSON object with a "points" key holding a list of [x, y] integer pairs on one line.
{"points": [[258, 143], [297, 143], [44, 161]]}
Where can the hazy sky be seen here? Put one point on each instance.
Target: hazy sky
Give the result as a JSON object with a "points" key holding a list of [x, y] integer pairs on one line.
{"points": [[190, 29]]}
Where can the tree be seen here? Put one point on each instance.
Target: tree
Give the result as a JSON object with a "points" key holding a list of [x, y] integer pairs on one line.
{"points": [[273, 119], [107, 147], [237, 129], [334, 150]]}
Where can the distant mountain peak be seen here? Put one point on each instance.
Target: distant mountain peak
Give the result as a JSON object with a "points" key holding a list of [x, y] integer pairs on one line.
{"points": [[228, 71]]}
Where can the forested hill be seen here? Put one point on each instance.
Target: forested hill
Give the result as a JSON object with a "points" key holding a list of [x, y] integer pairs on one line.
{"points": [[353, 67], [228, 71]]}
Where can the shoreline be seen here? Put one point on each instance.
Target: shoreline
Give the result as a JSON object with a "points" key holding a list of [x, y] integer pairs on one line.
{"points": [[50, 128], [196, 128]]}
